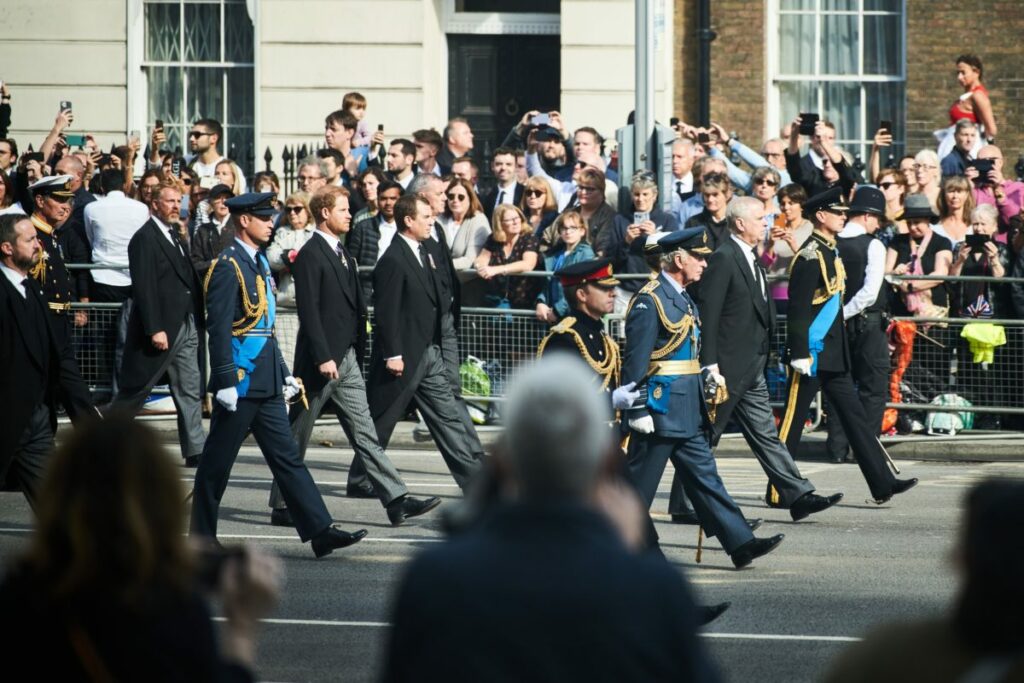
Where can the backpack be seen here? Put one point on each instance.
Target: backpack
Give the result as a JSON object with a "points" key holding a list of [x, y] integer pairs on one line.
{"points": [[949, 422]]}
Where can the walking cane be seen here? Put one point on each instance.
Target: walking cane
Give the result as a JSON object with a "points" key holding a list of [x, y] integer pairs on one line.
{"points": [[700, 542]]}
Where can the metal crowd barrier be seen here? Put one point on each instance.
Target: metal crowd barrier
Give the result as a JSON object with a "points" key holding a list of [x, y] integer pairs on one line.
{"points": [[942, 362]]}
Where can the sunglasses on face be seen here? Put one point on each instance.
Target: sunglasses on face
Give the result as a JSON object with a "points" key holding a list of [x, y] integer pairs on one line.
{"points": [[886, 185], [296, 209], [586, 188], [457, 197], [196, 133], [765, 181], [535, 193]]}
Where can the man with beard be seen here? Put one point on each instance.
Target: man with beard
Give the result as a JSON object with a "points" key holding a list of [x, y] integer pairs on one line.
{"points": [[34, 363]]}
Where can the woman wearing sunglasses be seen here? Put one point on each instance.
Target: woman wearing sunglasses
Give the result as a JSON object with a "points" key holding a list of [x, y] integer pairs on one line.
{"points": [[539, 207], [465, 226], [287, 241], [893, 184]]}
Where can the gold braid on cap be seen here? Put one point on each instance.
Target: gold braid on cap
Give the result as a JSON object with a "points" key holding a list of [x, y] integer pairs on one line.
{"points": [[251, 313], [609, 370], [678, 331]]}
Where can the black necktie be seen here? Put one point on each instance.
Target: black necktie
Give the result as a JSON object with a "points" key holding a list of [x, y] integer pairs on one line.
{"points": [[341, 254], [425, 260], [762, 280], [501, 198], [679, 188], [25, 284], [175, 241]]}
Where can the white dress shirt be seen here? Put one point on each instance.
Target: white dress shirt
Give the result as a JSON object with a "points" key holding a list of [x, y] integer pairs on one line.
{"points": [[414, 245], [110, 224], [507, 195], [16, 279], [748, 253], [387, 233], [874, 272]]}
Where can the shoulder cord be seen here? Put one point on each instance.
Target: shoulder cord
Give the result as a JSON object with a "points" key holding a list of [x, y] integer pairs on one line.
{"points": [[251, 313]]}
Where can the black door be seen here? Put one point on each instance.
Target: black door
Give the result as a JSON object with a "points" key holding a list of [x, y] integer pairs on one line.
{"points": [[494, 80]]}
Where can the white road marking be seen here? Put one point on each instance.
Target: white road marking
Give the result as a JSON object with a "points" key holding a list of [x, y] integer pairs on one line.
{"points": [[722, 636]]}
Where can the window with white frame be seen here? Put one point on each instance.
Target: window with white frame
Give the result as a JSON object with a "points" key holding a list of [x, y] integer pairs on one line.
{"points": [[198, 63], [844, 60]]}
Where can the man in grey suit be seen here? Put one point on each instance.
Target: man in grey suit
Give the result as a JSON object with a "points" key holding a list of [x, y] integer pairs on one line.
{"points": [[413, 292], [329, 351], [738, 316]]}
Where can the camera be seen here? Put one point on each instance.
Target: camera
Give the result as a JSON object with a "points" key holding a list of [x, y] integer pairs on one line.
{"points": [[541, 120]]}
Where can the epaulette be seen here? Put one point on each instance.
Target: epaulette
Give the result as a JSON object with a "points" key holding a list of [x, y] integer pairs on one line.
{"points": [[810, 252], [650, 287], [564, 325]]}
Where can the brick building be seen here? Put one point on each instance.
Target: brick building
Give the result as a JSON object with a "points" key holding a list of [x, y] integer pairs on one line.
{"points": [[271, 69], [911, 81]]}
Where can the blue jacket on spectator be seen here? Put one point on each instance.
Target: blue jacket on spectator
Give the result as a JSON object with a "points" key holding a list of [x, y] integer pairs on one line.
{"points": [[552, 294]]}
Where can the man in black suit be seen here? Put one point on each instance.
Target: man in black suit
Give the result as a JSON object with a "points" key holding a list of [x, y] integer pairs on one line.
{"points": [[166, 316], [412, 298], [506, 189], [34, 363], [369, 235], [549, 586], [329, 355], [738, 317]]}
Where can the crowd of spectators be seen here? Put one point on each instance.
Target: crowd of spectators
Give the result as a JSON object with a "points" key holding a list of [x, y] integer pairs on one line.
{"points": [[551, 195]]}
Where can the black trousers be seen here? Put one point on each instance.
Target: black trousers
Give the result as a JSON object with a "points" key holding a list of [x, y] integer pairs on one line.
{"points": [[842, 396], [27, 467], [869, 356]]}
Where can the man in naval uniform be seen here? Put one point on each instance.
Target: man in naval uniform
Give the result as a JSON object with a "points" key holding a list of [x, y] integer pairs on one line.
{"points": [[818, 351], [251, 383], [661, 356], [53, 197]]}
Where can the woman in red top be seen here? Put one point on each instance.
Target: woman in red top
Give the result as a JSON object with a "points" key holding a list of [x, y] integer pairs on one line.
{"points": [[974, 105]]}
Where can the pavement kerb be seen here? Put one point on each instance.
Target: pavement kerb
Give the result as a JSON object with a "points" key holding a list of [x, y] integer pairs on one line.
{"points": [[965, 447]]}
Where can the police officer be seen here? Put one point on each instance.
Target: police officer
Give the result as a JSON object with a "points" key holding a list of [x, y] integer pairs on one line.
{"points": [[252, 382], [865, 313], [818, 351], [52, 197], [661, 356]]}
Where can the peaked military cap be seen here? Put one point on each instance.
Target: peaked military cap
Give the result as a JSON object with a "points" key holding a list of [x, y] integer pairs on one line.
{"points": [[56, 186], [829, 200], [693, 240], [594, 271], [255, 203]]}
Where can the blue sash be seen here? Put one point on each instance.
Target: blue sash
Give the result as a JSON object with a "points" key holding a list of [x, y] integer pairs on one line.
{"points": [[659, 387], [246, 348], [820, 327]]}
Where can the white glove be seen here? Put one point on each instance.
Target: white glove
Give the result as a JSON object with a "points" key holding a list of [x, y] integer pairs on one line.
{"points": [[292, 388], [801, 365], [718, 378], [642, 425], [228, 398], [624, 396]]}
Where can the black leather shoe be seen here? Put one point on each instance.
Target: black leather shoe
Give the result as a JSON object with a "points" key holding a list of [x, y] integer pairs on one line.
{"points": [[192, 461], [708, 613], [685, 518], [900, 486], [755, 524], [332, 538], [809, 503], [281, 517], [755, 548], [360, 492], [407, 506]]}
